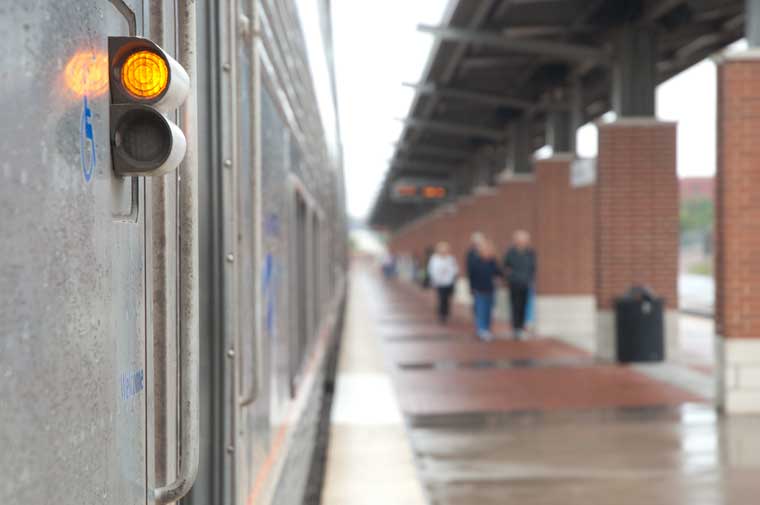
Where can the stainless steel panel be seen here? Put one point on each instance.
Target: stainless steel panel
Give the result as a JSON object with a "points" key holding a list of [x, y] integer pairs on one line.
{"points": [[72, 313], [254, 428], [229, 167]]}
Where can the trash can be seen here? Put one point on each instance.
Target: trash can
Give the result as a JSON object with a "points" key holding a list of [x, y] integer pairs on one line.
{"points": [[639, 326]]}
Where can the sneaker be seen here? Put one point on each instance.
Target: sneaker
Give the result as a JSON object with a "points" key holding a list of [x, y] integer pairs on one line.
{"points": [[519, 334], [485, 336]]}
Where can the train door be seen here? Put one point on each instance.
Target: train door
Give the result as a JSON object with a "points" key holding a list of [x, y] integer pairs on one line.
{"points": [[72, 264], [301, 292], [222, 258]]}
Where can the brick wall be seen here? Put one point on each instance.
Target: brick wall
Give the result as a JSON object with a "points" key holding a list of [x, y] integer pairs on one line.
{"points": [[738, 203], [498, 214], [564, 230], [636, 209]]}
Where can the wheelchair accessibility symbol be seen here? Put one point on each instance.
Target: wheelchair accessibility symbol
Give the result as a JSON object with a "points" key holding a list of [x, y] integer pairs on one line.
{"points": [[87, 143]]}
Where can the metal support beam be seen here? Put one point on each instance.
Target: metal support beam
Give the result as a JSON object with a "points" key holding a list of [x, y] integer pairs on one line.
{"points": [[588, 10], [566, 50], [455, 128], [445, 152], [520, 150], [752, 22], [436, 168], [480, 14], [492, 62], [661, 8], [634, 75], [473, 96], [494, 99]]}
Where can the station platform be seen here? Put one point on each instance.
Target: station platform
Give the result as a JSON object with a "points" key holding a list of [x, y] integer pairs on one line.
{"points": [[426, 413]]}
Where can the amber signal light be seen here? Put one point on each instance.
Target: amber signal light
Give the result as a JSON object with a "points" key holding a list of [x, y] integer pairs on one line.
{"points": [[406, 191], [434, 192], [144, 74]]}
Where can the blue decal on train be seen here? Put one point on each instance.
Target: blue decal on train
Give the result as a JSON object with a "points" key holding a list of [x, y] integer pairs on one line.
{"points": [[132, 383], [268, 288], [87, 143], [272, 225]]}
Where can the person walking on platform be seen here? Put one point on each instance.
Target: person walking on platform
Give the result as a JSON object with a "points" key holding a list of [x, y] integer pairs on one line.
{"points": [[443, 270], [429, 250], [520, 268], [483, 270], [472, 256]]}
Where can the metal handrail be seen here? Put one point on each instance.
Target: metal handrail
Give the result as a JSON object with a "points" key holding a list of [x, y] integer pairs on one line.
{"points": [[188, 272], [251, 392]]}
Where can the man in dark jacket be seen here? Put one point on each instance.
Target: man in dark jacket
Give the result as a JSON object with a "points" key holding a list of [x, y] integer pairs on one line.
{"points": [[520, 269], [484, 269], [471, 261]]}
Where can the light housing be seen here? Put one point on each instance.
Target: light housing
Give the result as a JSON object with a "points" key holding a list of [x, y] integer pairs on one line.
{"points": [[146, 84]]}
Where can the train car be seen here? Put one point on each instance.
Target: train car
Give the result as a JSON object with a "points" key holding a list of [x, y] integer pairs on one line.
{"points": [[167, 332]]}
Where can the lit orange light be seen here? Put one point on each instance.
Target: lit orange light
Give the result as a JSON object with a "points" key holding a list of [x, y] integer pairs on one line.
{"points": [[434, 192], [406, 190], [86, 73], [145, 74]]}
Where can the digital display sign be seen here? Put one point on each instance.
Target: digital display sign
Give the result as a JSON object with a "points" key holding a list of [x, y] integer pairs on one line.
{"points": [[419, 190]]}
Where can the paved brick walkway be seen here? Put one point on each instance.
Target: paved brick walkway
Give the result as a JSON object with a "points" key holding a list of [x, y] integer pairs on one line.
{"points": [[445, 370]]}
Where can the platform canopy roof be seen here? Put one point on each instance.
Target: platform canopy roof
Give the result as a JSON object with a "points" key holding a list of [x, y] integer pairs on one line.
{"points": [[497, 61]]}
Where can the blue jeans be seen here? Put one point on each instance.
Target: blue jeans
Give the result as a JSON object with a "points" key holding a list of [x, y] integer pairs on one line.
{"points": [[483, 309], [530, 307]]}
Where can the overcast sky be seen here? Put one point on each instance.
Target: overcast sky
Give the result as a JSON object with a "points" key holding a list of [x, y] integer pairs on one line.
{"points": [[378, 47]]}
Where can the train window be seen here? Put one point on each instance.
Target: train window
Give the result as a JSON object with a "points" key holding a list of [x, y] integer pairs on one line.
{"points": [[301, 294], [315, 248]]}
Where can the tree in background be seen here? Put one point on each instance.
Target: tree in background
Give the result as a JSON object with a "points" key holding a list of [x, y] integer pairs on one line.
{"points": [[697, 216], [697, 222]]}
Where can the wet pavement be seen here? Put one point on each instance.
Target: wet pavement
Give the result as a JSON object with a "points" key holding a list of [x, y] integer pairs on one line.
{"points": [[540, 422], [654, 456], [369, 460]]}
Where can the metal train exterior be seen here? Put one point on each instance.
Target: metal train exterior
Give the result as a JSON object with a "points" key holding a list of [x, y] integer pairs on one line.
{"points": [[173, 333]]}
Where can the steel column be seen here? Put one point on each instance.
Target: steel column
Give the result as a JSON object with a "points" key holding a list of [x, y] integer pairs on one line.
{"points": [[520, 152], [560, 130], [752, 22], [634, 78]]}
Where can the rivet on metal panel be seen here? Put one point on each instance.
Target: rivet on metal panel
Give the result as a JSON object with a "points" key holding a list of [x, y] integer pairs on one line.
{"points": [[230, 258], [230, 353], [226, 67], [228, 163]]}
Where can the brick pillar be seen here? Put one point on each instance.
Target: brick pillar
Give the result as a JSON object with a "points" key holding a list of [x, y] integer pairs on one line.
{"points": [[636, 221], [738, 233], [564, 242]]}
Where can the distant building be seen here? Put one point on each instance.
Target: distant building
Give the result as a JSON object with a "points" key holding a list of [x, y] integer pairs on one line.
{"points": [[697, 188]]}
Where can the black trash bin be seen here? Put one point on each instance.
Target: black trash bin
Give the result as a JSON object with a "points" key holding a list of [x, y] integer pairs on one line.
{"points": [[639, 326]]}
